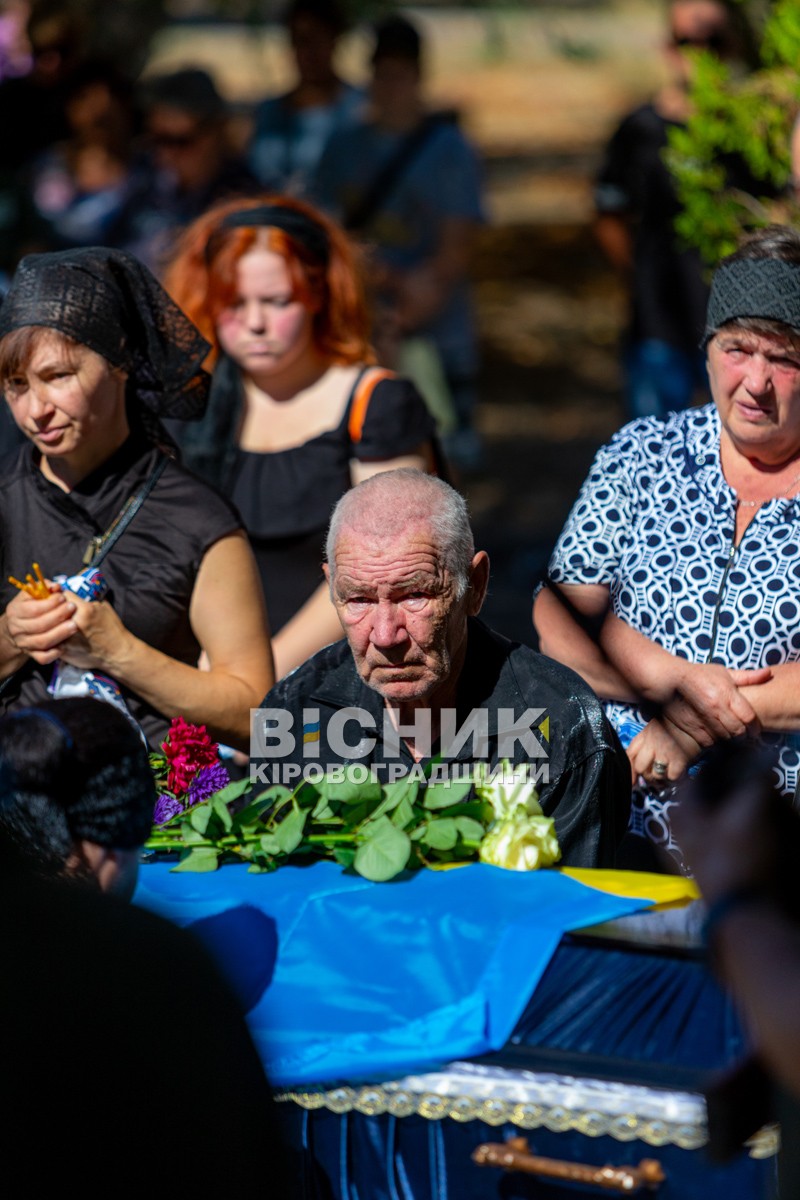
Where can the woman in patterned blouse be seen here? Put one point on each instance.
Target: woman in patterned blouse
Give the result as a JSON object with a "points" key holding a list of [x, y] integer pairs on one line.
{"points": [[675, 585]]}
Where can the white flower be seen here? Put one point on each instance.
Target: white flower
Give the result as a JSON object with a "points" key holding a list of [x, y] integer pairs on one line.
{"points": [[521, 843], [508, 791]]}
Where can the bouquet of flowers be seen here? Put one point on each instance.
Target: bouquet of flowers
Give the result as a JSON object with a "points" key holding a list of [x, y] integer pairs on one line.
{"points": [[377, 829]]}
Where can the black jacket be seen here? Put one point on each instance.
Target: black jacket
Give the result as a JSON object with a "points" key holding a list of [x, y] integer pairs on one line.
{"points": [[584, 780]]}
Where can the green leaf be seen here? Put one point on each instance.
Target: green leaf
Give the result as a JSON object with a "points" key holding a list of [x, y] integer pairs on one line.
{"points": [[441, 834], [232, 791], [270, 844], [346, 792], [395, 794], [322, 810], [289, 833], [190, 835], [470, 831], [404, 814], [443, 795], [479, 810], [344, 856], [262, 804], [307, 793], [354, 815], [220, 807], [384, 852], [198, 858], [199, 818]]}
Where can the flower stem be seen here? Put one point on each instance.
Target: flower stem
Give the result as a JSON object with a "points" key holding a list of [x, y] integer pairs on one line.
{"points": [[325, 838]]}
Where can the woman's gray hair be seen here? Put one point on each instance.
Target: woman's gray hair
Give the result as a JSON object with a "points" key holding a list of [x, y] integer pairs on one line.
{"points": [[387, 503]]}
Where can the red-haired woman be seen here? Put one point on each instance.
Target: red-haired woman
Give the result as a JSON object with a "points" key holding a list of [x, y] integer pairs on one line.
{"points": [[297, 412]]}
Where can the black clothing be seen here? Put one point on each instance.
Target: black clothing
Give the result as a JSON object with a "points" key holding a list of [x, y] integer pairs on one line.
{"points": [[668, 292], [285, 498], [116, 1030], [32, 117], [589, 785], [151, 570]]}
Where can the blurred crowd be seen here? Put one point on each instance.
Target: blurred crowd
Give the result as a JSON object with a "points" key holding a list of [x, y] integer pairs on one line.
{"points": [[93, 157]]}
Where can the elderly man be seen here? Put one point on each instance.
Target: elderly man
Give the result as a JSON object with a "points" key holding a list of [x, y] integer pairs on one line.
{"points": [[420, 684]]}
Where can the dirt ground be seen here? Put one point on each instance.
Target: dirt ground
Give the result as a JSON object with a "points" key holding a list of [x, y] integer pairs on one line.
{"points": [[550, 315], [539, 89]]}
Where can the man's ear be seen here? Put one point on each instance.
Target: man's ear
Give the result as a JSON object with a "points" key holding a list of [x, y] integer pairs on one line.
{"points": [[478, 583]]}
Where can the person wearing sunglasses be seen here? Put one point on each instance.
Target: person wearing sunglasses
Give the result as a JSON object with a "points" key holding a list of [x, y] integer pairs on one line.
{"points": [[192, 164]]}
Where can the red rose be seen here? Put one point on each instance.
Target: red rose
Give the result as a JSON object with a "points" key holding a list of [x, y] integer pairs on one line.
{"points": [[188, 749]]}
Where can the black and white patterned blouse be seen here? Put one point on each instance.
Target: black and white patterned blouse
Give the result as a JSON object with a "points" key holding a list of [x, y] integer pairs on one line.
{"points": [[655, 522]]}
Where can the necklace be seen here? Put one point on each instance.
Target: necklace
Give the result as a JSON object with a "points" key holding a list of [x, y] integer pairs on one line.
{"points": [[758, 503]]}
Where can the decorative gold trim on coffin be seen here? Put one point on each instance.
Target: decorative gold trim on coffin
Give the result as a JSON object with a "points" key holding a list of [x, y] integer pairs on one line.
{"points": [[626, 1127]]}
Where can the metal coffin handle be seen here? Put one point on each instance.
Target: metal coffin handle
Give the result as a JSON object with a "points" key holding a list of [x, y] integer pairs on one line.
{"points": [[515, 1155]]}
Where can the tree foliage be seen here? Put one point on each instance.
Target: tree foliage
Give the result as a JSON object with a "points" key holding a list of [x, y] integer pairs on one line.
{"points": [[749, 118]]}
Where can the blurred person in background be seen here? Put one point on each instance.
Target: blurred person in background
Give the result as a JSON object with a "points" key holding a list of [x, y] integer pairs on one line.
{"points": [[80, 185], [193, 164], [407, 182], [292, 130], [636, 207], [15, 50], [297, 414], [32, 106]]}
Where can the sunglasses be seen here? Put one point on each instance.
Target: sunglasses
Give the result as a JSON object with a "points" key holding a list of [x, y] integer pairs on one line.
{"points": [[713, 41]]}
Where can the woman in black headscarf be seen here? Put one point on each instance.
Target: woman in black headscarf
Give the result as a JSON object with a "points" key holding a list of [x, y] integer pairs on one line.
{"points": [[92, 354]]}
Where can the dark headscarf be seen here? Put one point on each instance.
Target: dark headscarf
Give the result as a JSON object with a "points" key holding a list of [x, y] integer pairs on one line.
{"points": [[303, 228], [109, 301], [768, 288]]}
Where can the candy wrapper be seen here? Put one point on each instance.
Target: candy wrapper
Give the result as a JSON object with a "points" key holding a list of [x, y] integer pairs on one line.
{"points": [[68, 681]]}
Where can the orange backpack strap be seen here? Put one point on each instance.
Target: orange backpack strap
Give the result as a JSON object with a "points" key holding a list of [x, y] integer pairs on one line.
{"points": [[362, 394]]}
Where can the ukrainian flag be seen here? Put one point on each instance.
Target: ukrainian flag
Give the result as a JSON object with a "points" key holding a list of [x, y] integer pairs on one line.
{"points": [[311, 732]]}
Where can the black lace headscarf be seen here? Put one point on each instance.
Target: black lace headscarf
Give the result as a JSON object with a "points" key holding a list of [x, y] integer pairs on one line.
{"points": [[109, 301]]}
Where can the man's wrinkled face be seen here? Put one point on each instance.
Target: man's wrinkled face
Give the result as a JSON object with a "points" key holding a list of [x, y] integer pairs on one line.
{"points": [[398, 607]]}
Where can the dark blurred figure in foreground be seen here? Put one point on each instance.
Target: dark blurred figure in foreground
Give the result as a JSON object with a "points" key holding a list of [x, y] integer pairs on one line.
{"points": [[636, 208], [193, 164], [118, 1040], [79, 795], [407, 181], [742, 838], [291, 131]]}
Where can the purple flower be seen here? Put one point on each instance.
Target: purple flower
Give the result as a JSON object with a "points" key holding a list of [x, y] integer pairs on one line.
{"points": [[166, 807], [207, 781]]}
